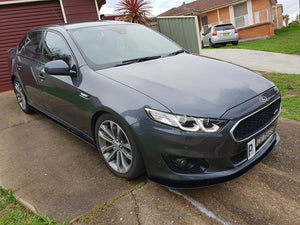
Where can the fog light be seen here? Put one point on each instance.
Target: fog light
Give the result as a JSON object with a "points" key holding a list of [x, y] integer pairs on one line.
{"points": [[186, 165], [182, 162]]}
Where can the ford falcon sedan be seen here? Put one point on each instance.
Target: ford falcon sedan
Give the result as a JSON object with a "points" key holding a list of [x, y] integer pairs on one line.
{"points": [[146, 103]]}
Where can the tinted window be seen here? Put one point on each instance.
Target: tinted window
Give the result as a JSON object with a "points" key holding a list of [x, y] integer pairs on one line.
{"points": [[30, 46], [224, 27], [207, 31], [106, 45], [55, 48]]}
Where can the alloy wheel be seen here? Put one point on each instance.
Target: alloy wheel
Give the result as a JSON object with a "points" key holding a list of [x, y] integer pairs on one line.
{"points": [[115, 146], [20, 96]]}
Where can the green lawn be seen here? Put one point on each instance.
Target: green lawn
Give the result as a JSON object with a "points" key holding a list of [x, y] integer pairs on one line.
{"points": [[287, 40], [289, 86], [12, 213]]}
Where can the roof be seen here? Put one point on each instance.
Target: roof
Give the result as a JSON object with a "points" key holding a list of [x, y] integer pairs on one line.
{"points": [[70, 26], [199, 6]]}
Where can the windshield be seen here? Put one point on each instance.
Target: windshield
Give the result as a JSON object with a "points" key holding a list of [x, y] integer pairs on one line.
{"points": [[110, 45]]}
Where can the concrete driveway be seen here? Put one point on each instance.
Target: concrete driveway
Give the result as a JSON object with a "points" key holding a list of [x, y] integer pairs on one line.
{"points": [[257, 60], [50, 168], [58, 173]]}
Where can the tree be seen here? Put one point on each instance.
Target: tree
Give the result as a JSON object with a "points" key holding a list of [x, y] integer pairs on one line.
{"points": [[298, 17], [286, 19], [134, 11]]}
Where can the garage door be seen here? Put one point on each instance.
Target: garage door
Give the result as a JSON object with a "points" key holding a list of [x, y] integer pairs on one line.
{"points": [[15, 21]]}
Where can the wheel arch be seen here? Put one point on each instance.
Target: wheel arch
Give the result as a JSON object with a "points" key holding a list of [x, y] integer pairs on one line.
{"points": [[105, 110]]}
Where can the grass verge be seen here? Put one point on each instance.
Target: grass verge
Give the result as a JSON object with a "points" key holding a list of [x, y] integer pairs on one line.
{"points": [[12, 213], [289, 86], [286, 40]]}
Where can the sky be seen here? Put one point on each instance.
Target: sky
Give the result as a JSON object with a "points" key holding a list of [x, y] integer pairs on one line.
{"points": [[290, 7]]}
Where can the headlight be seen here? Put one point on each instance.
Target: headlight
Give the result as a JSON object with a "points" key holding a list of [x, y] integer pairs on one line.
{"points": [[186, 123]]}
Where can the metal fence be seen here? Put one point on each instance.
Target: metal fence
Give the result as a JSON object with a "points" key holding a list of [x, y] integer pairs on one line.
{"points": [[184, 30]]}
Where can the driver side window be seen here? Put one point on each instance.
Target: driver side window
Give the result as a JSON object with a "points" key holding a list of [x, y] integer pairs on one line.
{"points": [[56, 48]]}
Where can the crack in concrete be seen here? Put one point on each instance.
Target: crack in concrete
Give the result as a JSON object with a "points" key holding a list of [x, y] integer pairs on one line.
{"points": [[20, 124], [137, 208]]}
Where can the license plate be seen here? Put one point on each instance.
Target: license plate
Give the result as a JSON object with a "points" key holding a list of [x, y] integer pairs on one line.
{"points": [[263, 137], [251, 149], [226, 34]]}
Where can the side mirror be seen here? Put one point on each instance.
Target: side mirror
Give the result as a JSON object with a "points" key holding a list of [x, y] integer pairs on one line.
{"points": [[59, 67]]}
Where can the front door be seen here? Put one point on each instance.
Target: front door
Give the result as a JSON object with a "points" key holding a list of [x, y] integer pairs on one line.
{"points": [[61, 94]]}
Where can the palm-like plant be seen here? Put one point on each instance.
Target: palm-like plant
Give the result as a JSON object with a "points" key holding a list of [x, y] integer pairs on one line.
{"points": [[134, 11], [286, 19]]}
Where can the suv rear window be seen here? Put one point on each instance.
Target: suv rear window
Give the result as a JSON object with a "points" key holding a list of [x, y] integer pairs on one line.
{"points": [[224, 27]]}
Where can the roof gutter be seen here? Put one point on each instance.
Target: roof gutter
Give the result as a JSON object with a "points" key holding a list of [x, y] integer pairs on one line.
{"points": [[21, 2], [219, 6]]}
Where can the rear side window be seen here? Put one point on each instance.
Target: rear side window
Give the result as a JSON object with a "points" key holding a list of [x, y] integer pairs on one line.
{"points": [[55, 48], [224, 27], [30, 46], [207, 31]]}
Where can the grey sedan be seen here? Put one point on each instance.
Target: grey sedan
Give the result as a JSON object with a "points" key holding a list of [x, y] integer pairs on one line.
{"points": [[145, 103]]}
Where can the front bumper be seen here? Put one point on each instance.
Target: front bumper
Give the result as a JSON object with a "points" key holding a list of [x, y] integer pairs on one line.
{"points": [[224, 157], [208, 179]]}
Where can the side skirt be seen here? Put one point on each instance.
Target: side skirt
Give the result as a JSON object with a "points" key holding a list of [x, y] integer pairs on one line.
{"points": [[64, 125]]}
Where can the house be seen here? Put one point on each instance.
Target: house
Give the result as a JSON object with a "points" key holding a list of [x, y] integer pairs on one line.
{"points": [[253, 18], [19, 16], [277, 16]]}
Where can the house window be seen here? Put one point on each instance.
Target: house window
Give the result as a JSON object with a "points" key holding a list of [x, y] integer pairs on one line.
{"points": [[204, 24], [241, 15]]}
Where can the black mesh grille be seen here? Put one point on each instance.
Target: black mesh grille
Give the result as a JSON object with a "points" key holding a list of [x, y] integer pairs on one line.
{"points": [[256, 122]]}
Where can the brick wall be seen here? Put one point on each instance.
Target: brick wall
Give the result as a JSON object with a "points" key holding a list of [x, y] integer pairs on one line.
{"points": [[259, 5], [277, 16], [212, 17], [256, 31], [224, 14]]}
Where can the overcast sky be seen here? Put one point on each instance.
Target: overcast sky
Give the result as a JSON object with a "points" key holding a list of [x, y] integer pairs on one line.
{"points": [[290, 7]]}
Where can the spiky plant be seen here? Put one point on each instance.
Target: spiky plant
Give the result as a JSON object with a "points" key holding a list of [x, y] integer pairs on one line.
{"points": [[286, 19], [134, 11]]}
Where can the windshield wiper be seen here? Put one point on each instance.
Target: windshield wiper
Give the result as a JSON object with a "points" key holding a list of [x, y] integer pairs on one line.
{"points": [[178, 52], [137, 60]]}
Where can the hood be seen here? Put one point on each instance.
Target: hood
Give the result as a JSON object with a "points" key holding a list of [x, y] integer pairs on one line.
{"points": [[191, 85]]}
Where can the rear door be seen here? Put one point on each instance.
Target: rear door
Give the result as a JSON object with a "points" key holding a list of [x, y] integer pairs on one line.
{"points": [[28, 64], [206, 37]]}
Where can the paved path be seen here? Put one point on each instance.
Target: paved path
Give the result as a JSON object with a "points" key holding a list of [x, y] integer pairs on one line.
{"points": [[257, 60], [56, 172]]}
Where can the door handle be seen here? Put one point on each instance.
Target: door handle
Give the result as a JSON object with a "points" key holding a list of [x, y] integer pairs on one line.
{"points": [[19, 66], [84, 95]]}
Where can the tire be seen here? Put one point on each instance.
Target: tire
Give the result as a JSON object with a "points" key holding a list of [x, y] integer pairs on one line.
{"points": [[235, 43], [21, 97], [119, 152], [211, 44]]}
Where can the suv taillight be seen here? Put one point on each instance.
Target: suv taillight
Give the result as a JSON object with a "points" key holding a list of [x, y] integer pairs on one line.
{"points": [[236, 31], [214, 33]]}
